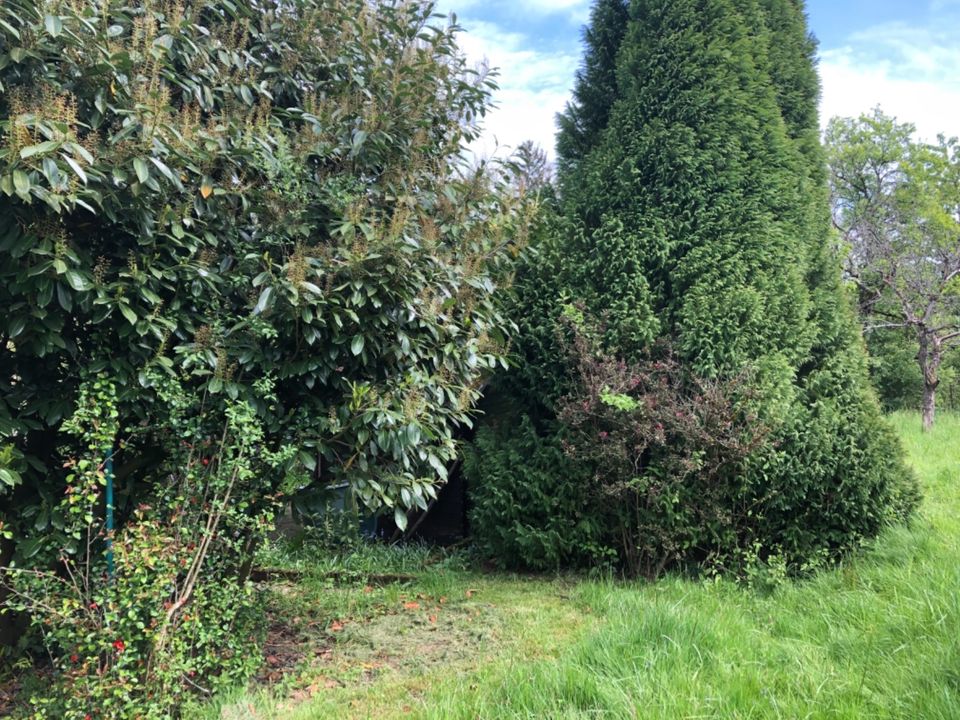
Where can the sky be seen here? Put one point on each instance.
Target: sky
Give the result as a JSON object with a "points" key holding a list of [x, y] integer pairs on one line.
{"points": [[902, 55]]}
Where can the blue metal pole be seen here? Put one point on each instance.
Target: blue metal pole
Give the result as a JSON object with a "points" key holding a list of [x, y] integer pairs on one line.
{"points": [[108, 472]]}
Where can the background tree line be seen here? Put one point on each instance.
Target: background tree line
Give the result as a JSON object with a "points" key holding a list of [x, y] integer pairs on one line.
{"points": [[896, 206]]}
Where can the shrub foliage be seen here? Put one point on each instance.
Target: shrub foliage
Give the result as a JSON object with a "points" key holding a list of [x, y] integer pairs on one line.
{"points": [[667, 451], [265, 205], [530, 505]]}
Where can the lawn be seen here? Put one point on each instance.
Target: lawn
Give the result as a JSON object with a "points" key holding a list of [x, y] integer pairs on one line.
{"points": [[878, 637]]}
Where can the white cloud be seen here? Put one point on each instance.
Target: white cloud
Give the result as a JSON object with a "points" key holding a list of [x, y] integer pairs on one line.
{"points": [[534, 86], [851, 88], [575, 10], [910, 72]]}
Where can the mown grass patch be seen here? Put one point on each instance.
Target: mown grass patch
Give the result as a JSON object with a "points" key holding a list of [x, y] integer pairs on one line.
{"points": [[876, 637]]}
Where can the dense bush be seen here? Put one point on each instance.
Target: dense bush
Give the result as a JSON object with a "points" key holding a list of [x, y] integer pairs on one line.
{"points": [[219, 194], [668, 452], [223, 190], [530, 506], [697, 216]]}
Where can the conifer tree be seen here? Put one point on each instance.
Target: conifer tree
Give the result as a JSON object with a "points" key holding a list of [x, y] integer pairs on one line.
{"points": [[596, 87], [699, 216]]}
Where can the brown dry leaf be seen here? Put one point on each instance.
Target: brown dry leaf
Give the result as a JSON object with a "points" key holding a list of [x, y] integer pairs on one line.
{"points": [[412, 605], [336, 626]]}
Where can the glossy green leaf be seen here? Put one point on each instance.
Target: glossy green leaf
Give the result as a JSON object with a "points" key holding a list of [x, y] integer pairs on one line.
{"points": [[128, 313], [264, 301], [16, 326], [21, 182], [75, 166], [400, 518], [44, 147], [77, 281], [53, 24], [10, 477], [142, 169], [356, 345]]}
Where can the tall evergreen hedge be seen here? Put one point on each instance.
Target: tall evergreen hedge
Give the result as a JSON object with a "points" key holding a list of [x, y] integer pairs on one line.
{"points": [[698, 216]]}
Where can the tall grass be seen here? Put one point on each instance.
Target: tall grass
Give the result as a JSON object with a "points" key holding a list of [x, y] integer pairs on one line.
{"points": [[878, 637]]}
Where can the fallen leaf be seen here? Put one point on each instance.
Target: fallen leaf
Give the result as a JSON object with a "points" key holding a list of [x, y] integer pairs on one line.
{"points": [[336, 626], [470, 593], [433, 618], [206, 191], [412, 605]]}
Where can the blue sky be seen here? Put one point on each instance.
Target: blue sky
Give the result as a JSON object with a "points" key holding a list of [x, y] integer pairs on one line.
{"points": [[903, 55]]}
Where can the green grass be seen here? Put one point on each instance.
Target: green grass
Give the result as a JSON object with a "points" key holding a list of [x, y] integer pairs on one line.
{"points": [[878, 637]]}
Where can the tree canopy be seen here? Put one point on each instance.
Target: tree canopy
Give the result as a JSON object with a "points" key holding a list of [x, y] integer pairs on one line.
{"points": [[241, 256]]}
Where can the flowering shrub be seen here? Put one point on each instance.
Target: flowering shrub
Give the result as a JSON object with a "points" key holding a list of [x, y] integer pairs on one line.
{"points": [[254, 218], [233, 189], [135, 620]]}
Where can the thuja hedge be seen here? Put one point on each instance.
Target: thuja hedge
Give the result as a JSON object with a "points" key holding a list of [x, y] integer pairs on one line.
{"points": [[693, 215]]}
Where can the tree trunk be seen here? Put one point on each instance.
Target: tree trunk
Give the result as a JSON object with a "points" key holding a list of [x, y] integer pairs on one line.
{"points": [[929, 405], [929, 357]]}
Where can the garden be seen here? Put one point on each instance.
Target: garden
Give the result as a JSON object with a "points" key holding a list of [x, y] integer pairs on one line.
{"points": [[685, 393]]}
